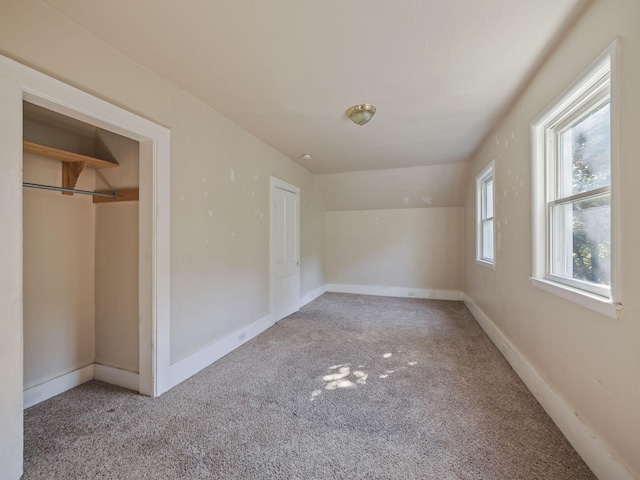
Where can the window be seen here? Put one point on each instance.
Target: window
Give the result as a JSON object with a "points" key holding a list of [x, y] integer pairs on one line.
{"points": [[573, 186], [484, 191]]}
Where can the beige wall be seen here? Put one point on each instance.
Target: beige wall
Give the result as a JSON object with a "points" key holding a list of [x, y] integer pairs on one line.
{"points": [[592, 362], [58, 274], [414, 187], [116, 279], [116, 285], [219, 227], [413, 248]]}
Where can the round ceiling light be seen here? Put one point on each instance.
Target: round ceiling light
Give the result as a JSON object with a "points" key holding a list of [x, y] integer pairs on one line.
{"points": [[361, 114]]}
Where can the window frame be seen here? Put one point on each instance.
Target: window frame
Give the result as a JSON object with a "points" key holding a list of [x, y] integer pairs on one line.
{"points": [[482, 179], [584, 96]]}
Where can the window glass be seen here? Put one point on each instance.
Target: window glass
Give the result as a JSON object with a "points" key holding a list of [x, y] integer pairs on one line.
{"points": [[582, 240], [585, 148]]}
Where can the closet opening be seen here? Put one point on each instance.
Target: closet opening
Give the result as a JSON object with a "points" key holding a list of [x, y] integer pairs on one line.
{"points": [[80, 255]]}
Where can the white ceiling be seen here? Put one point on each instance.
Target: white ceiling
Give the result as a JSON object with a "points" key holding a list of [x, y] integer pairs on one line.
{"points": [[439, 71]]}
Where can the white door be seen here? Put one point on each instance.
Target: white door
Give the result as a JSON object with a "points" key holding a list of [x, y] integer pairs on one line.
{"points": [[285, 248]]}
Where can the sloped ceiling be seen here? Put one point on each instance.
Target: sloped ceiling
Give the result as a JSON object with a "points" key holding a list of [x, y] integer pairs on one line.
{"points": [[440, 72]]}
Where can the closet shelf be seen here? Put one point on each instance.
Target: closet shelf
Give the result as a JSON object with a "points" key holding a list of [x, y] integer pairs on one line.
{"points": [[72, 166], [64, 156]]}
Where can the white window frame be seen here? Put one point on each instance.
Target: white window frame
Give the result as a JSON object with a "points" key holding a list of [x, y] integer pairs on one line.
{"points": [[482, 218], [587, 92]]}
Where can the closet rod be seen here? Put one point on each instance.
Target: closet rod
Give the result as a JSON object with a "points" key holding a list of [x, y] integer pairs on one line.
{"points": [[70, 190]]}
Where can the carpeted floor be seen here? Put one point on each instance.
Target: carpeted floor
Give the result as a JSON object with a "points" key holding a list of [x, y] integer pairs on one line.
{"points": [[350, 387]]}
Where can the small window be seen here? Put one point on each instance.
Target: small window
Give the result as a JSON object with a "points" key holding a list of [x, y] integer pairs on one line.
{"points": [[572, 186], [485, 229]]}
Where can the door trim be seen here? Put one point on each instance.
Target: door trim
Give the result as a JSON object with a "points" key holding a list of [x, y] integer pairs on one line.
{"points": [[18, 83]]}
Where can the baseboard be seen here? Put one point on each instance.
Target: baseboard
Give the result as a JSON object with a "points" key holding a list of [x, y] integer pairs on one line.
{"points": [[592, 450], [309, 297], [394, 291], [46, 390], [189, 366], [116, 376]]}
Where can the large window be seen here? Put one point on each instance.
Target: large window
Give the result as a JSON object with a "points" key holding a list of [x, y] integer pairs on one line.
{"points": [[485, 203], [573, 186]]}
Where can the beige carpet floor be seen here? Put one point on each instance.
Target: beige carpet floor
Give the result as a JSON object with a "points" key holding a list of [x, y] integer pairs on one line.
{"points": [[350, 387]]}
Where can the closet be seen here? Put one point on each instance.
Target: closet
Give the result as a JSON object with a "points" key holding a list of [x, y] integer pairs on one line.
{"points": [[80, 254]]}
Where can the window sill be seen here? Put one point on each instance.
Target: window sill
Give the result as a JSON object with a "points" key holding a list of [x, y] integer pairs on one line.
{"points": [[486, 264], [602, 305]]}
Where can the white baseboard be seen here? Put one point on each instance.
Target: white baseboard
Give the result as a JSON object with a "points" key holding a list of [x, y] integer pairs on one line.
{"points": [[592, 450], [189, 366], [116, 376], [34, 395], [309, 297], [394, 291]]}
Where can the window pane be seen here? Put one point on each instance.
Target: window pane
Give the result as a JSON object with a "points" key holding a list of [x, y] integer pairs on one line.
{"points": [[581, 240], [585, 154], [489, 198], [487, 240]]}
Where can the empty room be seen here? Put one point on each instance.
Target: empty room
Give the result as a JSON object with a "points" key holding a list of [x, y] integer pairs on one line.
{"points": [[285, 239]]}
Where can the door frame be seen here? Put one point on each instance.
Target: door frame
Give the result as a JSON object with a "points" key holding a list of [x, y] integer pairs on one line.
{"points": [[276, 183], [18, 83]]}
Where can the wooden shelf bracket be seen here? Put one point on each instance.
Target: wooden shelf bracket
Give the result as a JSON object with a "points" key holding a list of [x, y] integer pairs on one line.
{"points": [[72, 166], [70, 174]]}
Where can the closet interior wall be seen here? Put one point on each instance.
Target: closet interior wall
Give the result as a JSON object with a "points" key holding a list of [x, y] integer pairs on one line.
{"points": [[80, 264]]}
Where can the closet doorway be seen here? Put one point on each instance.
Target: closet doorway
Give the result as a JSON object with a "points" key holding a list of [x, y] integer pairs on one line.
{"points": [[80, 255], [19, 83]]}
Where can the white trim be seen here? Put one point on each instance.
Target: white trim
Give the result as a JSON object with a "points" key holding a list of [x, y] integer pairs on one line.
{"points": [[607, 61], [116, 376], [614, 95], [189, 366], [591, 448], [486, 264], [311, 296], [46, 390], [154, 204], [481, 189], [401, 292], [588, 300], [11, 395]]}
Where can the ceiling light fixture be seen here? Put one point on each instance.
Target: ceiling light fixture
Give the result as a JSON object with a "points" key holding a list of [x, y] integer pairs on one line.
{"points": [[306, 156], [361, 114]]}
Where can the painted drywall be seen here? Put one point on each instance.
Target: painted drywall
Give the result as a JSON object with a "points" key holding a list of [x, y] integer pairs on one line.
{"points": [[116, 258], [591, 361], [418, 248], [116, 285], [414, 187], [220, 227], [219, 179], [58, 274]]}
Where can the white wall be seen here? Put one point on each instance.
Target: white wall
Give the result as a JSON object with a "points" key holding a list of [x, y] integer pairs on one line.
{"points": [[417, 248], [590, 361]]}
